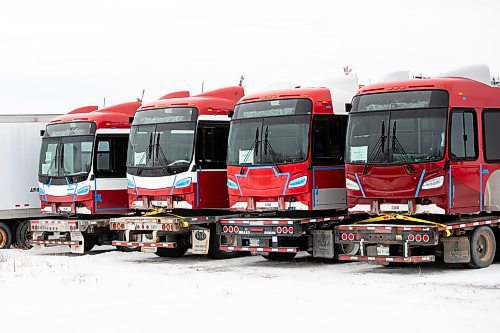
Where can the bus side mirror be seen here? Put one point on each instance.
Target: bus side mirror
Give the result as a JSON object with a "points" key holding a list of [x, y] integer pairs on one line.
{"points": [[42, 132], [230, 113], [348, 107], [130, 120]]}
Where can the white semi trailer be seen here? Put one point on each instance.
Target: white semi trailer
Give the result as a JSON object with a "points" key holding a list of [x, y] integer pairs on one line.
{"points": [[19, 153]]}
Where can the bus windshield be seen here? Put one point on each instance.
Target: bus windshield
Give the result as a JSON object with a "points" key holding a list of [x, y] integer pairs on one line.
{"points": [[67, 150], [397, 128], [270, 133], [161, 149]]}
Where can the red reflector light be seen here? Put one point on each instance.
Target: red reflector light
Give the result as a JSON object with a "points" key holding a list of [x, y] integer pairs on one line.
{"points": [[278, 230], [285, 230], [225, 228], [231, 229], [236, 229], [351, 237], [122, 226], [290, 230], [411, 237], [344, 237], [418, 238], [426, 238]]}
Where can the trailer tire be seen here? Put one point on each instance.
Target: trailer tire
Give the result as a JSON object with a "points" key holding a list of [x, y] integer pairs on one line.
{"points": [[5, 236], [482, 247], [24, 235], [274, 256], [88, 244], [172, 253]]}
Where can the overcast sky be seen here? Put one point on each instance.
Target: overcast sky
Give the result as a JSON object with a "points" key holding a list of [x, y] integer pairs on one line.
{"points": [[59, 55]]}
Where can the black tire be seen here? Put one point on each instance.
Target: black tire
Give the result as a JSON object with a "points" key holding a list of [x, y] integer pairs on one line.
{"points": [[88, 244], [177, 252], [482, 247], [279, 256], [24, 235], [213, 247], [5, 236]]}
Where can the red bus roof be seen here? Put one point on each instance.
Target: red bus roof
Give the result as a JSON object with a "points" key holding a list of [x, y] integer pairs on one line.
{"points": [[215, 102], [116, 116], [463, 92]]}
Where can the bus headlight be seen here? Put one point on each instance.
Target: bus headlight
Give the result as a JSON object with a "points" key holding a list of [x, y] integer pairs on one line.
{"points": [[298, 182], [232, 185], [183, 183], [351, 185], [83, 190], [433, 183]]}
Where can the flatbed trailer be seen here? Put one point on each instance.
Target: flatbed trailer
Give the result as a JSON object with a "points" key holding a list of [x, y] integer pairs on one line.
{"points": [[81, 234], [405, 239], [170, 235], [281, 238]]}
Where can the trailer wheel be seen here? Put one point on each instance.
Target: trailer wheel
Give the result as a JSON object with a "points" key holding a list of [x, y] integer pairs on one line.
{"points": [[24, 235], [5, 236], [348, 249], [177, 252], [273, 256], [88, 244], [482, 247]]}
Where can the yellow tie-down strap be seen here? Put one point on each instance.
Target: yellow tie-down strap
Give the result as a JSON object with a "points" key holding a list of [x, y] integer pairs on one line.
{"points": [[183, 221], [389, 217]]}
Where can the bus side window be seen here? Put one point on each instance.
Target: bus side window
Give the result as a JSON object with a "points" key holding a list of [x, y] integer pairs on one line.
{"points": [[328, 139], [491, 120], [211, 145], [463, 135], [111, 155]]}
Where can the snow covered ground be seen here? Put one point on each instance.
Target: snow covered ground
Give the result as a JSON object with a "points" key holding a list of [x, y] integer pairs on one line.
{"points": [[51, 290]]}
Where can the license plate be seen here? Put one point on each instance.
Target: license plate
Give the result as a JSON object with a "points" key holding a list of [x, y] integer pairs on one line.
{"points": [[382, 250], [254, 242], [148, 249]]}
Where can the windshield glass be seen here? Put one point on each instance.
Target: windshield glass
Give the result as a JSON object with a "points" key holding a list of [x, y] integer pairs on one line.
{"points": [[66, 156], [167, 147], [268, 141], [397, 136]]}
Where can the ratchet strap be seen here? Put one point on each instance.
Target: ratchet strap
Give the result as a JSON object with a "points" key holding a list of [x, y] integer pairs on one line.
{"points": [[183, 221], [389, 217]]}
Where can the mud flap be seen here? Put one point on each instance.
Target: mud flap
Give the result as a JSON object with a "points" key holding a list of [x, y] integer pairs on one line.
{"points": [[200, 240], [323, 244], [456, 250], [77, 236]]}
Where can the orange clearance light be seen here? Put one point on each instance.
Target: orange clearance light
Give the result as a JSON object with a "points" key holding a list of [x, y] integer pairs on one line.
{"points": [[108, 124], [210, 110], [460, 93]]}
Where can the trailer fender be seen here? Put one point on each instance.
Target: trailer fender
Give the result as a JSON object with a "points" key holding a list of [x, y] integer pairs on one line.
{"points": [[77, 236]]}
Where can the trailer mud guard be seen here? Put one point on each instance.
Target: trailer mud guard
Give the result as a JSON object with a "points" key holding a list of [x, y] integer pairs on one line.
{"points": [[323, 244], [456, 250]]}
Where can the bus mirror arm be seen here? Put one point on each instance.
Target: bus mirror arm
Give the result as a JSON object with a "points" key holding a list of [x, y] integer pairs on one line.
{"points": [[446, 165]]}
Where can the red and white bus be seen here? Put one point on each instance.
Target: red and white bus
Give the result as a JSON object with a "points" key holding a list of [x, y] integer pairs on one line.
{"points": [[177, 164], [428, 148], [82, 175]]}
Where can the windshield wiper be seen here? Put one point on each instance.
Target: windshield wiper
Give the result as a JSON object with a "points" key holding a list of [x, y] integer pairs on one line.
{"points": [[397, 147], [271, 150], [148, 152], [379, 148], [159, 152], [254, 144]]}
